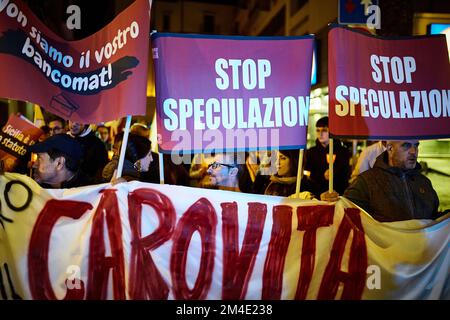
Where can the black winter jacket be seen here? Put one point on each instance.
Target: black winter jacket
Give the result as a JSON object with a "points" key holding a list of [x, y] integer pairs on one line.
{"points": [[392, 194]]}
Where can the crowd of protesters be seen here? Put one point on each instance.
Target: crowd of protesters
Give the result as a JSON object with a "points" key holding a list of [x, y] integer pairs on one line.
{"points": [[71, 154]]}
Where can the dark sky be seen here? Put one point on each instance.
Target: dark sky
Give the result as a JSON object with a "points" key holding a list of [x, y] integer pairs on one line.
{"points": [[95, 14]]}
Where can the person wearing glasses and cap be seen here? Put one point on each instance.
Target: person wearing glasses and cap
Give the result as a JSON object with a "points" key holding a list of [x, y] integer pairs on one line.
{"points": [[223, 173]]}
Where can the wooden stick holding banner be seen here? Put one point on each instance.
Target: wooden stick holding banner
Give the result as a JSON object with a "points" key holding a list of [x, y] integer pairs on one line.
{"points": [[123, 148], [299, 173], [155, 145], [330, 167], [354, 153]]}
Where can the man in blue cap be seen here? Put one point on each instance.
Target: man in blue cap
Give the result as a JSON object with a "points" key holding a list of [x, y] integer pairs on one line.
{"points": [[58, 163]]}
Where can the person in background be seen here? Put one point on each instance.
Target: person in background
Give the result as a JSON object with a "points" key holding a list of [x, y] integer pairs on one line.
{"points": [[267, 166], [367, 158], [224, 172], [152, 175], [255, 176], [175, 174], [140, 129], [57, 126], [115, 148], [317, 162], [394, 189], [284, 182], [138, 157], [103, 135], [58, 163], [45, 133], [95, 154], [198, 175]]}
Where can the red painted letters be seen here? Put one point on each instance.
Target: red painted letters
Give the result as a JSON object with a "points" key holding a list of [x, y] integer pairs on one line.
{"points": [[147, 282], [238, 266], [354, 279], [99, 265], [276, 254], [38, 275], [145, 279], [310, 218], [200, 217]]}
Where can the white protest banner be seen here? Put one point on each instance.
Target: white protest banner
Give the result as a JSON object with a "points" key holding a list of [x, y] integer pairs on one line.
{"points": [[145, 241]]}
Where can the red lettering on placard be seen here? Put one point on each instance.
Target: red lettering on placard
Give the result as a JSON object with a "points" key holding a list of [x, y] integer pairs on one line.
{"points": [[355, 279], [276, 254], [200, 217], [238, 266], [38, 273], [99, 264], [310, 218], [145, 279]]}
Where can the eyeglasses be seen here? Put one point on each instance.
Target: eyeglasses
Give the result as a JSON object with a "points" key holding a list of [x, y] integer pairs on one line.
{"points": [[55, 129], [216, 164]]}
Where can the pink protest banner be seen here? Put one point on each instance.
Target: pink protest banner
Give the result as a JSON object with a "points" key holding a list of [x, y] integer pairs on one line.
{"points": [[99, 78], [388, 88], [231, 93]]}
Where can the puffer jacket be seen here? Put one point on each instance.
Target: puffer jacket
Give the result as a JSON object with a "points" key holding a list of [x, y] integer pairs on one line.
{"points": [[392, 194]]}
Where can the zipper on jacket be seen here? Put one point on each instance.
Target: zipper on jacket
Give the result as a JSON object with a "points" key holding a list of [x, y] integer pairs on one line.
{"points": [[409, 198]]}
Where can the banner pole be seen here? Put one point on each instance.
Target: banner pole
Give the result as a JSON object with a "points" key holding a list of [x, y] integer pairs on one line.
{"points": [[299, 173], [355, 151], [355, 146], [330, 167], [160, 154], [161, 168], [123, 148]]}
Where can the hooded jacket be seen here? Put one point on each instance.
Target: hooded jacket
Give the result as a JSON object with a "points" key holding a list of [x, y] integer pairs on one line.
{"points": [[393, 194]]}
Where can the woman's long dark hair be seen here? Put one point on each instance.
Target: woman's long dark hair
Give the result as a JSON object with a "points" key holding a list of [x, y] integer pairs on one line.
{"points": [[293, 157]]}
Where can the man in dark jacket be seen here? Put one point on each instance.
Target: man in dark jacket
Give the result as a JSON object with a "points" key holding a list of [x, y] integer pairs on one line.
{"points": [[394, 189], [95, 155], [58, 162], [317, 162]]}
